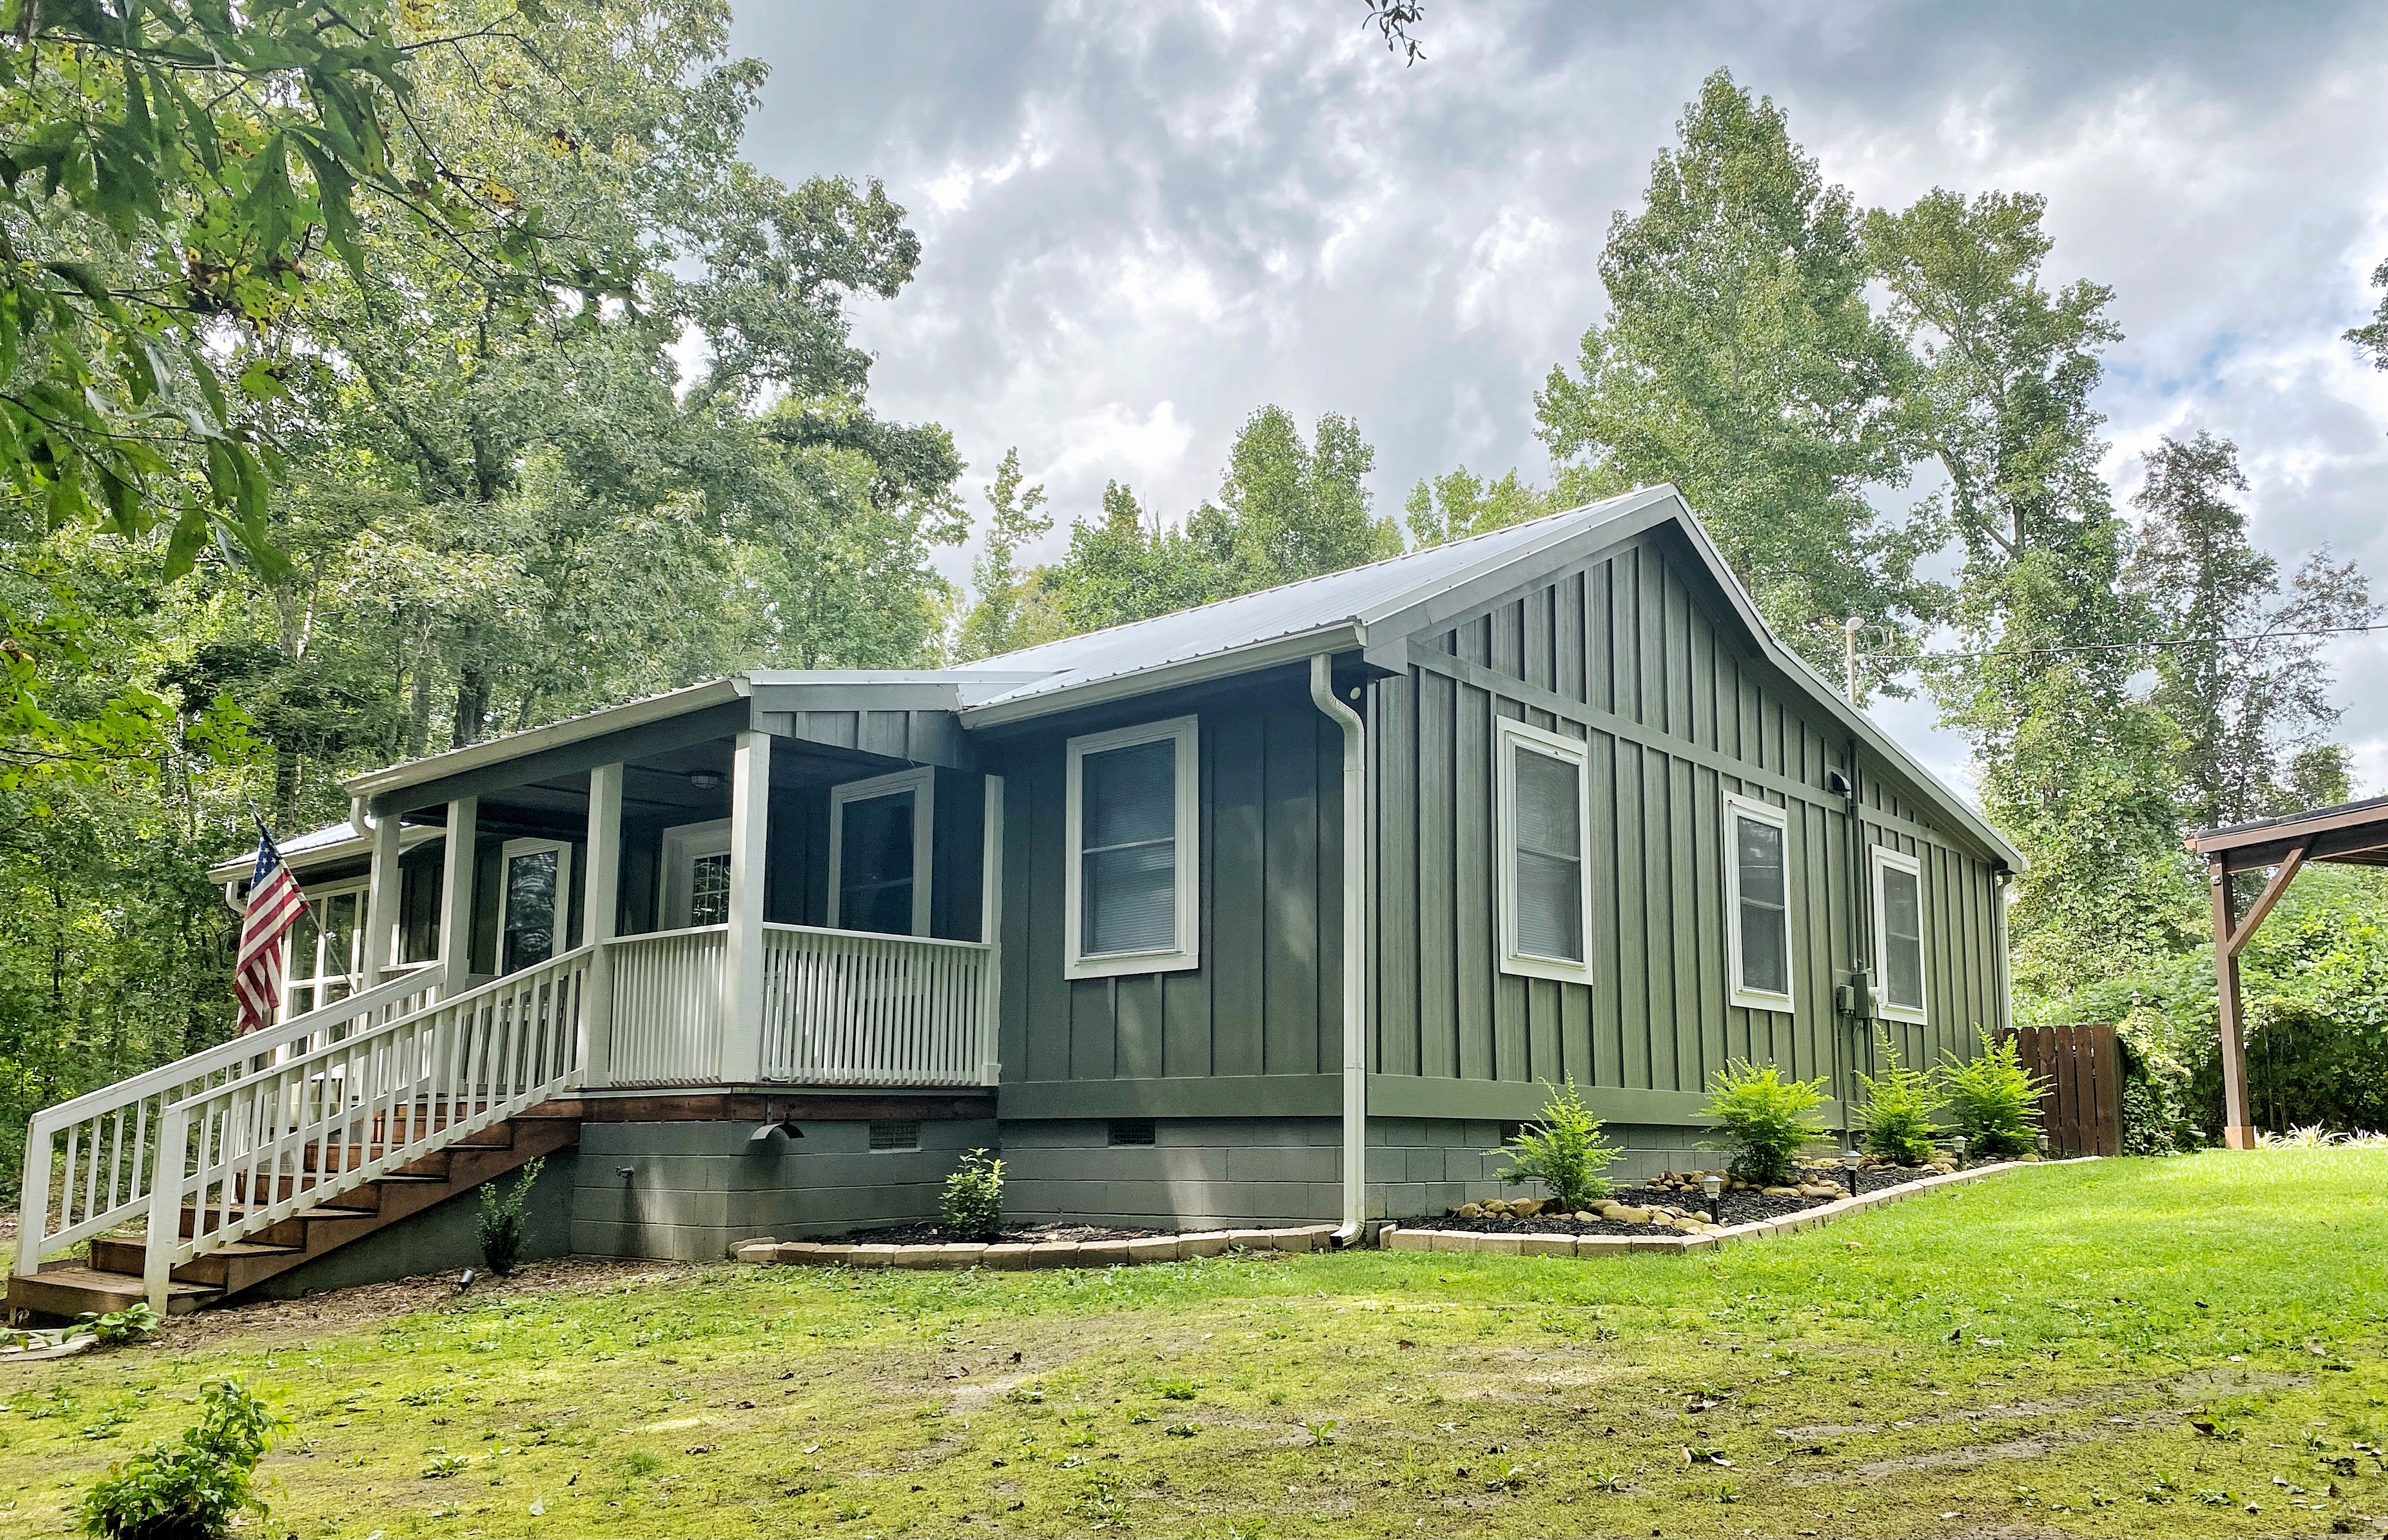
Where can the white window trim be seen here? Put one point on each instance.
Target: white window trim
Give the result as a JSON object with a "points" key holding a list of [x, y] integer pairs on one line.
{"points": [[921, 783], [1741, 995], [1885, 860], [527, 846], [1516, 738], [319, 909], [683, 845], [1187, 952]]}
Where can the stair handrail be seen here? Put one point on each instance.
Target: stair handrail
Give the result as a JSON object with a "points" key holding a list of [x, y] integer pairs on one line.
{"points": [[409, 1061], [34, 1236]]}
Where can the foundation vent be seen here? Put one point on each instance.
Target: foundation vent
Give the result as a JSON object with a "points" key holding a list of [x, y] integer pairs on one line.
{"points": [[1131, 1131], [896, 1136]]}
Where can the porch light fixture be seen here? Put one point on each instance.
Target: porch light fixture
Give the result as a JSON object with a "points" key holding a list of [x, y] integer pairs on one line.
{"points": [[1713, 1185], [1849, 1159], [704, 780]]}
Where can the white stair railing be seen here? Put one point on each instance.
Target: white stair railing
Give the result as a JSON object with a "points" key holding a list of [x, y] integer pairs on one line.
{"points": [[88, 1162], [249, 1154]]}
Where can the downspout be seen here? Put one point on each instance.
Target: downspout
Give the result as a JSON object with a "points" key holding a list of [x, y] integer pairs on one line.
{"points": [[1355, 920]]}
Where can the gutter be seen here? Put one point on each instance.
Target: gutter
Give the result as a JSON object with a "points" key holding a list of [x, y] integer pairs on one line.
{"points": [[1355, 919]]}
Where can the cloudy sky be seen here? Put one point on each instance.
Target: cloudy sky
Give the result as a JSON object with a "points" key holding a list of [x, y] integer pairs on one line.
{"points": [[1142, 220]]}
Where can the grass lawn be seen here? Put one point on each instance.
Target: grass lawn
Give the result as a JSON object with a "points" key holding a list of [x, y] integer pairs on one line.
{"points": [[2133, 1347]]}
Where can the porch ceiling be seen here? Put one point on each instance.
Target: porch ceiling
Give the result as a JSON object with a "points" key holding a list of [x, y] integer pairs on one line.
{"points": [[661, 784]]}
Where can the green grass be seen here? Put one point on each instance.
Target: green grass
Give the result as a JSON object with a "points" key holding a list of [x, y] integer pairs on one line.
{"points": [[2186, 1347]]}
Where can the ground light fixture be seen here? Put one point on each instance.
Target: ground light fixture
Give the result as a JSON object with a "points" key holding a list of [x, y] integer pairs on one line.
{"points": [[2042, 1142], [1849, 1159], [1958, 1144], [1713, 1185]]}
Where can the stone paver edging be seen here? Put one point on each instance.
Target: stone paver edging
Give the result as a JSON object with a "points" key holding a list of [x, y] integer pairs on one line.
{"points": [[1042, 1254], [1422, 1238]]}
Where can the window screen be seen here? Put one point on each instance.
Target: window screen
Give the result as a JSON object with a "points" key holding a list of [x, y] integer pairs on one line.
{"points": [[1765, 908], [708, 890], [1128, 843], [1902, 938], [1549, 837], [529, 910], [896, 1136], [875, 865]]}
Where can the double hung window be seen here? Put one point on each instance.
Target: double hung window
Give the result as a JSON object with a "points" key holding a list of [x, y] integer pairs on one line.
{"points": [[1545, 816], [1757, 917], [1898, 934], [880, 843], [1133, 891]]}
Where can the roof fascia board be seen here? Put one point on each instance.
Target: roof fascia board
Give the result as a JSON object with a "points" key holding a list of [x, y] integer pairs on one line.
{"points": [[516, 745], [1342, 636], [233, 868], [2292, 830], [2337, 843], [569, 757]]}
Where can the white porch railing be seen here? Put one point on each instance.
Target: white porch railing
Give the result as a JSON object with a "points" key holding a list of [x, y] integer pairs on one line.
{"points": [[847, 1008], [668, 1006], [254, 1151], [89, 1161]]}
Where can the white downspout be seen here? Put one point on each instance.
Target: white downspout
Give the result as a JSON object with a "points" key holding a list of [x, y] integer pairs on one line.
{"points": [[1355, 952]]}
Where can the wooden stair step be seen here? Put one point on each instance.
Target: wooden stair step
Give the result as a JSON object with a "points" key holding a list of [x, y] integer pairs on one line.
{"points": [[69, 1289]]}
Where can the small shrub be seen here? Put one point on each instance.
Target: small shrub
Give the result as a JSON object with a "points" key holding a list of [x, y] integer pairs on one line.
{"points": [[1766, 1119], [1897, 1121], [500, 1224], [1996, 1100], [131, 1325], [1562, 1151], [194, 1487], [972, 1201]]}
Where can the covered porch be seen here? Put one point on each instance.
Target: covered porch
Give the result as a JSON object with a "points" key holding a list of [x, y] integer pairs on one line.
{"points": [[755, 883]]}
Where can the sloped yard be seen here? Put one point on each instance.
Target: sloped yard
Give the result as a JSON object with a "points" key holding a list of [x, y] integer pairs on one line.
{"points": [[2191, 1347]]}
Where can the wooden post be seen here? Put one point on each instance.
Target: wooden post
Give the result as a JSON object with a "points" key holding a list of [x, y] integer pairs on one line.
{"points": [[741, 973], [384, 931], [604, 905], [456, 876], [2237, 1133], [990, 930]]}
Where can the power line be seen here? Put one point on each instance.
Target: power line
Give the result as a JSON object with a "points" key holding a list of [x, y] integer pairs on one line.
{"points": [[2123, 646]]}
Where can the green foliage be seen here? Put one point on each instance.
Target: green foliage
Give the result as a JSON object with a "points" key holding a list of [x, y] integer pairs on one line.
{"points": [[1995, 1099], [499, 1223], [972, 1201], [1766, 1119], [1562, 1149], [1013, 610], [196, 1486], [1460, 504], [1896, 1120], [134, 1324]]}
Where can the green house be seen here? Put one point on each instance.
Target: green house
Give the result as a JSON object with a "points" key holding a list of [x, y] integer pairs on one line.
{"points": [[1283, 909]]}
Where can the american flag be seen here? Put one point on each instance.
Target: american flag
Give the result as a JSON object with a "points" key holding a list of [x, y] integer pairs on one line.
{"points": [[274, 905]]}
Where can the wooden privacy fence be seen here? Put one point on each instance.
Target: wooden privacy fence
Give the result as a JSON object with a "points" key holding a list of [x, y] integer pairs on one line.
{"points": [[2082, 1109]]}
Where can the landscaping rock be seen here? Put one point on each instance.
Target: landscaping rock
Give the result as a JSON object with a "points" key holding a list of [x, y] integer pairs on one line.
{"points": [[1465, 1211], [1781, 1192], [1623, 1216]]}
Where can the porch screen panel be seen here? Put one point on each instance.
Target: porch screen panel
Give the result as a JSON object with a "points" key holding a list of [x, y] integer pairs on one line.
{"points": [[708, 890], [1550, 857], [1128, 885], [1902, 940], [1765, 907], [875, 889]]}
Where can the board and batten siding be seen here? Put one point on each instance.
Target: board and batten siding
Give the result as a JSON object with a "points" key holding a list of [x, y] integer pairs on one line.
{"points": [[1676, 714], [1255, 1028]]}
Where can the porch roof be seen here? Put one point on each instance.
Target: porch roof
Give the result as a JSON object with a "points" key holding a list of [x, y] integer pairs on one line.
{"points": [[2353, 834]]}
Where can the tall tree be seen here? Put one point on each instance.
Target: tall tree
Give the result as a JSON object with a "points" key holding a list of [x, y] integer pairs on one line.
{"points": [[1740, 361], [1012, 609], [2241, 671], [1287, 509], [1459, 503]]}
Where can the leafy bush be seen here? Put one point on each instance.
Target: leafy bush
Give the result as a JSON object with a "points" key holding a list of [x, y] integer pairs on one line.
{"points": [[972, 1201], [192, 1488], [1562, 1149], [501, 1223], [1766, 1119], [1997, 1100], [1897, 1121], [122, 1325]]}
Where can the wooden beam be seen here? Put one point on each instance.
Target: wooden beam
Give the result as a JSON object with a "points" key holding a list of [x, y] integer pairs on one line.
{"points": [[2237, 1132], [2279, 884]]}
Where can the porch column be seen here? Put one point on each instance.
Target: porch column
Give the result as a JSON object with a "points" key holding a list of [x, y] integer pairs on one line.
{"points": [[2237, 1134], [990, 931], [383, 923], [604, 905], [741, 973], [456, 896]]}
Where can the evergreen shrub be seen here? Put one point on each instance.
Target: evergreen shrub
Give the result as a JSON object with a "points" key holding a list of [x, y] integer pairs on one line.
{"points": [[1766, 1120], [972, 1201], [1562, 1149]]}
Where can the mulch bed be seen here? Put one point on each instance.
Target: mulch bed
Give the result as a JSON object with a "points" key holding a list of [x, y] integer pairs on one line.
{"points": [[930, 1233], [1740, 1208]]}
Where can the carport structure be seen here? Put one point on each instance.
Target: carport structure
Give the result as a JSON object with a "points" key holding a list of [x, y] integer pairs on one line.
{"points": [[2354, 833]]}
